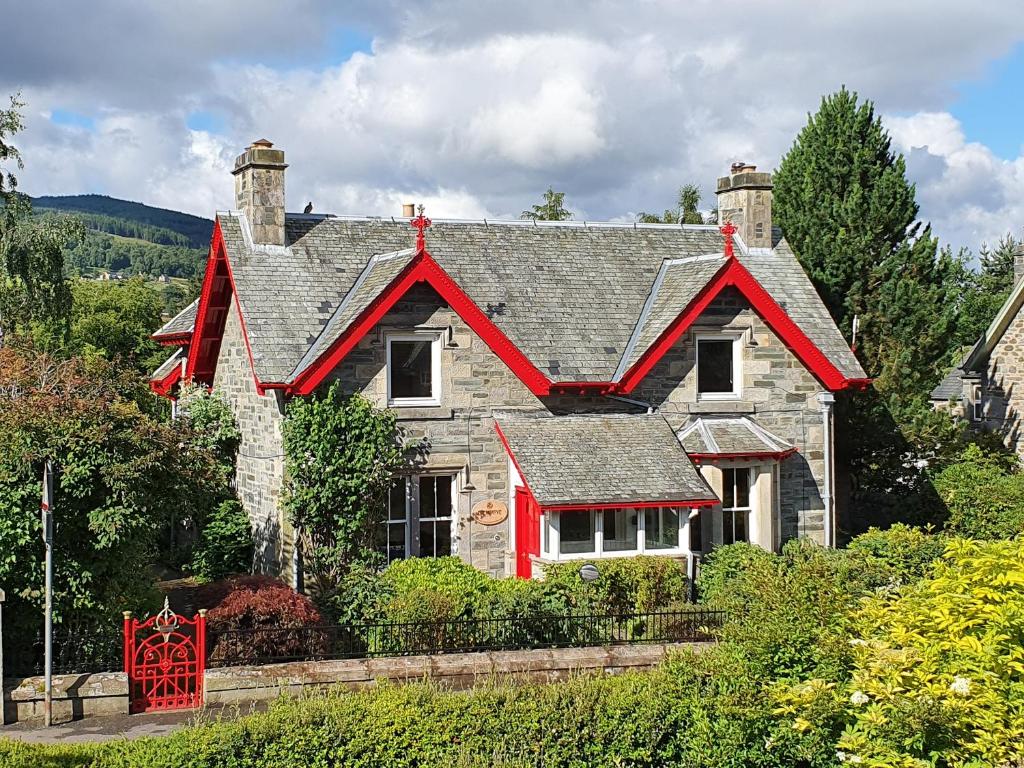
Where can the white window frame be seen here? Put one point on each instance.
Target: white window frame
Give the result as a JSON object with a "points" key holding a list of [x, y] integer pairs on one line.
{"points": [[749, 509], [737, 364], [435, 369], [551, 520], [412, 505], [977, 403]]}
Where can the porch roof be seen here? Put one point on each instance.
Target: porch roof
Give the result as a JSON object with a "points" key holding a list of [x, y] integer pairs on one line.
{"points": [[731, 437], [602, 460]]}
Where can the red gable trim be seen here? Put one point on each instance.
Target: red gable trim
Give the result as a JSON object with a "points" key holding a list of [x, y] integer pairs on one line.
{"points": [[164, 386], [422, 269], [734, 274]]}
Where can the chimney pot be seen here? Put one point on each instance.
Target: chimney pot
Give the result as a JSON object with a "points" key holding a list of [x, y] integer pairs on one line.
{"points": [[408, 210]]}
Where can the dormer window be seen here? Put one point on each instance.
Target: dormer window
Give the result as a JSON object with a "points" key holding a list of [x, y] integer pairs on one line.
{"points": [[718, 366], [414, 369]]}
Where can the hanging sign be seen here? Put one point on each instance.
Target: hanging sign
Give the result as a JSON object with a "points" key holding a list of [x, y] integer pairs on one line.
{"points": [[490, 512]]}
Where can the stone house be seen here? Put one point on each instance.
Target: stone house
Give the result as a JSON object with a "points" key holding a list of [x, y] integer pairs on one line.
{"points": [[987, 388], [583, 390]]}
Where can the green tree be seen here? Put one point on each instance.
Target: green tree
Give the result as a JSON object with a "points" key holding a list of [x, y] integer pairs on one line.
{"points": [[115, 319], [686, 210], [121, 473], [984, 292], [552, 209], [33, 288], [341, 455]]}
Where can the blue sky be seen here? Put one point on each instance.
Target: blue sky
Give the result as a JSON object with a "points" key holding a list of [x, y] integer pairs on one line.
{"points": [[991, 108], [475, 108]]}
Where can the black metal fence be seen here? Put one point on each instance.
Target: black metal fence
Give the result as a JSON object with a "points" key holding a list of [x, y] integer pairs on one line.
{"points": [[74, 652], [267, 645]]}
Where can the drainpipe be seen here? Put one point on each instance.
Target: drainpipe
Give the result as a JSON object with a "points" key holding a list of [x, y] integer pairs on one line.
{"points": [[630, 401], [827, 400]]}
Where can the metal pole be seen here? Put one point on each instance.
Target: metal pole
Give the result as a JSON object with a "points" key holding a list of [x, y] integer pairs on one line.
{"points": [[2, 597], [827, 400], [47, 509]]}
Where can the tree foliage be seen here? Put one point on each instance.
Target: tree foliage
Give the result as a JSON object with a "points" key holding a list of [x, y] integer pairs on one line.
{"points": [[686, 210], [341, 453], [114, 320], [121, 474], [551, 209]]}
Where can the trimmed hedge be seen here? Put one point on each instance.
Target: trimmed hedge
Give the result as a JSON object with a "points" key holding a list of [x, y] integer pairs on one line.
{"points": [[695, 711]]}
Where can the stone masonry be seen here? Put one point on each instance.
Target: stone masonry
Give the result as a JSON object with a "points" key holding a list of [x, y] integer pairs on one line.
{"points": [[777, 391], [1003, 385]]}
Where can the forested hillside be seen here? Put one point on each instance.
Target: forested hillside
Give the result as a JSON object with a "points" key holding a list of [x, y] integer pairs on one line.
{"points": [[130, 237]]}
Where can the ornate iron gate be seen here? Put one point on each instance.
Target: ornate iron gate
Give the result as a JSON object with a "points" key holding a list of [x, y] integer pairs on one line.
{"points": [[164, 658]]}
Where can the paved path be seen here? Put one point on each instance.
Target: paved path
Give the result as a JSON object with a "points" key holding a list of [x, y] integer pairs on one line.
{"points": [[122, 726]]}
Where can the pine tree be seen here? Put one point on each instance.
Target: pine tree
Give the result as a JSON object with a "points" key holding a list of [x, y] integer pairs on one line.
{"points": [[552, 209], [985, 292], [686, 210]]}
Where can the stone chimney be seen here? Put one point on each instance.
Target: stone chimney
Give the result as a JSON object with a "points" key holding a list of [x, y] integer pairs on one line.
{"points": [[745, 199], [408, 210], [259, 191], [1018, 263]]}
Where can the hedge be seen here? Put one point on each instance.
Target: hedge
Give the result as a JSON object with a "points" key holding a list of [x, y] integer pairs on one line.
{"points": [[694, 711]]}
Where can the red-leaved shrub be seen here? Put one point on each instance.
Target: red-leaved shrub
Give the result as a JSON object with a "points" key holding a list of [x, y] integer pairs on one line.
{"points": [[263, 620], [211, 595]]}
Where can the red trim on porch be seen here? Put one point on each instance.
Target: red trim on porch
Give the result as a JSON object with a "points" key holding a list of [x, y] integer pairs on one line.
{"points": [[423, 269], [776, 455], [631, 505], [734, 274]]}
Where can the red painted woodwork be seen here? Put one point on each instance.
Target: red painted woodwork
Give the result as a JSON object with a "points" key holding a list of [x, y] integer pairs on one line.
{"points": [[172, 339], [421, 223], [165, 386], [713, 457], [728, 230], [734, 274], [164, 659], [218, 291], [527, 532], [685, 503]]}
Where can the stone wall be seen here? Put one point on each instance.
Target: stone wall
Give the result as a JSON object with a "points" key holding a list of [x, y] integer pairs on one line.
{"points": [[260, 472], [74, 697], [1003, 385], [457, 670], [777, 392]]}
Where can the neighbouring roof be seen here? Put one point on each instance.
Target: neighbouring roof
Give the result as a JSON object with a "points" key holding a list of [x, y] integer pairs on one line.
{"points": [[607, 459], [181, 324], [731, 436], [579, 301], [951, 387], [167, 366]]}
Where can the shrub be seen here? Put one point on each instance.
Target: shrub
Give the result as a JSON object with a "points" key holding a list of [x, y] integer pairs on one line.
{"points": [[938, 667], [263, 612], [984, 495], [897, 555], [452, 587], [625, 584], [225, 543], [211, 595]]}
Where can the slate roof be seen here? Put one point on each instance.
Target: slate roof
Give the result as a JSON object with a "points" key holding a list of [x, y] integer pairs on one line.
{"points": [[951, 387], [730, 435], [168, 365], [606, 459], [183, 322], [569, 295]]}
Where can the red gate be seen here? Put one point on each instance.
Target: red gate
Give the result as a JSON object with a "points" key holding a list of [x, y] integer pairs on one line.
{"points": [[165, 666]]}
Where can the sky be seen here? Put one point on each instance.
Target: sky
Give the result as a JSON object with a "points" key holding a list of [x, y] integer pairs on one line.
{"points": [[474, 107]]}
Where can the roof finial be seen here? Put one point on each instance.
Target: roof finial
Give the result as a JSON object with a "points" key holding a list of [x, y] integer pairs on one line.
{"points": [[728, 230], [421, 223]]}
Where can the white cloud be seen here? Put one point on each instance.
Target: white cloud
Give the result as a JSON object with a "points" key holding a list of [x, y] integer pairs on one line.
{"points": [[969, 194], [476, 108]]}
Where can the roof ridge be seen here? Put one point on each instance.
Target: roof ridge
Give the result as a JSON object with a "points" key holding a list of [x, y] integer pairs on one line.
{"points": [[568, 223]]}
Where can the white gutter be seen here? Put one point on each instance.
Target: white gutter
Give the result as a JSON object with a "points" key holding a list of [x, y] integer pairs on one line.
{"points": [[827, 400]]}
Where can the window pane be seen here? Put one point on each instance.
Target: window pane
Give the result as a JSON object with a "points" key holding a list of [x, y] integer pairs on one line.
{"points": [[396, 541], [661, 528], [443, 496], [696, 540], [728, 488], [428, 496], [427, 538], [740, 523], [411, 368], [576, 532], [396, 501], [742, 488], [620, 530], [727, 527], [714, 365], [442, 538]]}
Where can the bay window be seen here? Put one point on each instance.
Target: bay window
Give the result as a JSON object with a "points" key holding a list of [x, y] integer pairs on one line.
{"points": [[613, 532], [736, 505]]}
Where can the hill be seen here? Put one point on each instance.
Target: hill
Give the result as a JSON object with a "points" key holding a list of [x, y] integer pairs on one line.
{"points": [[129, 237], [100, 210]]}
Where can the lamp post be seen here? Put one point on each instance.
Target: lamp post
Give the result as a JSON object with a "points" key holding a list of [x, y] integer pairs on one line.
{"points": [[2, 597], [47, 519]]}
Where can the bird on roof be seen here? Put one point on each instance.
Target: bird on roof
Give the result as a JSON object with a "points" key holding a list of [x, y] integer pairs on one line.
{"points": [[308, 208]]}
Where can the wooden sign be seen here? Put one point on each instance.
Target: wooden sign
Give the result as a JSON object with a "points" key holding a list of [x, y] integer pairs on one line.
{"points": [[490, 512]]}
